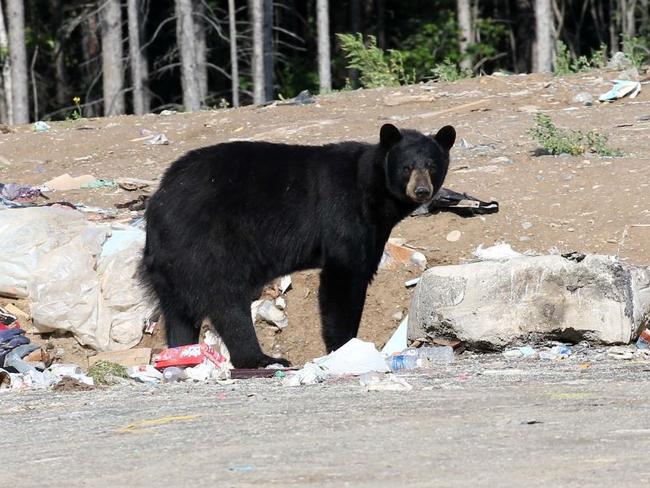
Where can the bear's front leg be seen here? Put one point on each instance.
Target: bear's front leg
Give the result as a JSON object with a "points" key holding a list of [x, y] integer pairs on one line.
{"points": [[341, 298]]}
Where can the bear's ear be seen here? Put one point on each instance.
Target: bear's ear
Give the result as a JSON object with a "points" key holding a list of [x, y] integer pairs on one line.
{"points": [[446, 137], [389, 135]]}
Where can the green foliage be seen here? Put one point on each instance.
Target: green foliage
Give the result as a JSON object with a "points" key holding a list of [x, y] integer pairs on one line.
{"points": [[449, 71], [555, 140], [636, 50], [106, 372], [566, 63], [376, 67]]}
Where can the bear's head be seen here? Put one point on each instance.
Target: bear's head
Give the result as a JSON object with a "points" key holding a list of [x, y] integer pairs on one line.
{"points": [[416, 164]]}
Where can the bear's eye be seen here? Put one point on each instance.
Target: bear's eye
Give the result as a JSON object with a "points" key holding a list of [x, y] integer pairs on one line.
{"points": [[407, 170]]}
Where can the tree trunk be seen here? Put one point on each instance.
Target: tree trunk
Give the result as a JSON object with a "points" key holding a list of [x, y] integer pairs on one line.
{"points": [[544, 36], [466, 39], [112, 57], [524, 18], [257, 18], [61, 75], [201, 49], [139, 69], [381, 24], [6, 104], [628, 8], [324, 63], [268, 50], [234, 60], [355, 26], [185, 38], [18, 55]]}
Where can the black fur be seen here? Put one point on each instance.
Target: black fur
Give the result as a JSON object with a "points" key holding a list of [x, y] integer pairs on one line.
{"points": [[229, 218]]}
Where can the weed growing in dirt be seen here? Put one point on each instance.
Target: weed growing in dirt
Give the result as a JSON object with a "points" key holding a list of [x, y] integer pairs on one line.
{"points": [[449, 71], [555, 140], [376, 67]]}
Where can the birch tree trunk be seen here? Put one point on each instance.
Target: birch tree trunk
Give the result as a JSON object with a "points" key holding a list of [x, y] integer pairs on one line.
{"points": [[234, 60], [18, 55], [466, 33], [185, 37], [112, 57], [324, 63], [544, 36], [201, 49], [268, 49], [257, 18], [6, 111], [139, 69]]}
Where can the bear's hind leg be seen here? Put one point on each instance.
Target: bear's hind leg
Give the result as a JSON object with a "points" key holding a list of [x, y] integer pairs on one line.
{"points": [[181, 328], [341, 297], [232, 321]]}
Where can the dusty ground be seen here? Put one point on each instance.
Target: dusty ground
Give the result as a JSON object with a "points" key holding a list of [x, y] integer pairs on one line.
{"points": [[479, 422], [584, 203]]}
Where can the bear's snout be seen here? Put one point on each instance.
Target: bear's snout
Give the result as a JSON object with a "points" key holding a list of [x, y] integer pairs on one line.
{"points": [[419, 187]]}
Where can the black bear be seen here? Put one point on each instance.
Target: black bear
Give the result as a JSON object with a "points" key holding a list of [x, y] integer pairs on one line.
{"points": [[229, 218]]}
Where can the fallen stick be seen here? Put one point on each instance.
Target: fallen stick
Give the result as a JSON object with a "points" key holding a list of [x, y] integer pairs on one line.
{"points": [[475, 103]]}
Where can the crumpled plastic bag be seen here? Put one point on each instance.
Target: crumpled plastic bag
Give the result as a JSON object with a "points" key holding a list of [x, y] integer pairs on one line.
{"points": [[78, 276]]}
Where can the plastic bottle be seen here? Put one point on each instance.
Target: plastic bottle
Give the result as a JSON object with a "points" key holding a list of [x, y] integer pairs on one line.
{"points": [[172, 374], [423, 357], [643, 342]]}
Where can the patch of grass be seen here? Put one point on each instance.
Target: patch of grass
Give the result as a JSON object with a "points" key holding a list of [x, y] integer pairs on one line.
{"points": [[449, 71], [636, 50], [376, 67], [105, 372], [556, 140]]}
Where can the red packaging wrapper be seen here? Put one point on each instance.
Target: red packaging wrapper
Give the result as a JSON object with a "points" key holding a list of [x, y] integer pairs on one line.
{"points": [[190, 355]]}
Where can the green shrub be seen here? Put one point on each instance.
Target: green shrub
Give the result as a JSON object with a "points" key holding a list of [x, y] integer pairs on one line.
{"points": [[376, 67], [555, 140]]}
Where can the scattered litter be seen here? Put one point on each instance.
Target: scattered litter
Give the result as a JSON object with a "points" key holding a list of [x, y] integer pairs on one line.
{"points": [[397, 342], [173, 374], [461, 204], [621, 88], [410, 283], [138, 204], [133, 184], [158, 140], [99, 183], [422, 357], [499, 252], [167, 113], [303, 98], [561, 351], [454, 236], [620, 352], [395, 255], [285, 283], [145, 373], [524, 352], [643, 342], [619, 61], [190, 355], [384, 382], [244, 468], [269, 312], [19, 193], [353, 358], [41, 126], [65, 182]]}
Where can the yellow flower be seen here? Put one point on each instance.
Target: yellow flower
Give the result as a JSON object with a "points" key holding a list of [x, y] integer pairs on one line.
{"points": [[76, 100]]}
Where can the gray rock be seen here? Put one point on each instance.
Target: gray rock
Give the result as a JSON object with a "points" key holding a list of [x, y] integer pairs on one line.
{"points": [[585, 98], [619, 61], [493, 304]]}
